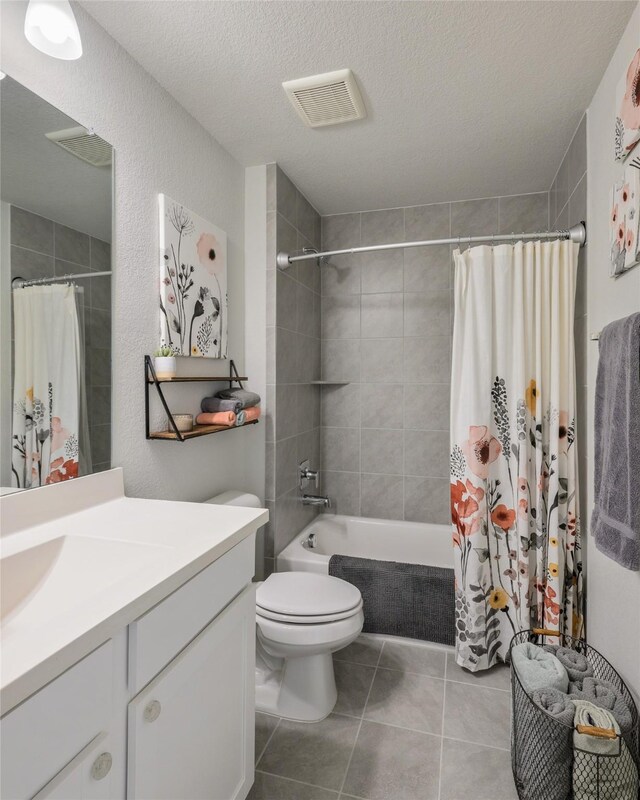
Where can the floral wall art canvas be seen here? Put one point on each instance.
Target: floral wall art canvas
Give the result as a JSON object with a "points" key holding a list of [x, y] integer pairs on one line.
{"points": [[627, 132], [193, 282], [625, 220]]}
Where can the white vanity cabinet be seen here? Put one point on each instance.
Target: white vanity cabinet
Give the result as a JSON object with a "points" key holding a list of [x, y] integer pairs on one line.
{"points": [[191, 730], [50, 743], [163, 709], [89, 776]]}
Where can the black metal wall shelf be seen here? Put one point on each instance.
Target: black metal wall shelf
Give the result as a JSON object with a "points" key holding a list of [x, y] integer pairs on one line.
{"points": [[173, 434]]}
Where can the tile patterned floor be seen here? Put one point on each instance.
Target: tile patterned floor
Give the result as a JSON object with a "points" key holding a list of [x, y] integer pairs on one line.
{"points": [[409, 724]]}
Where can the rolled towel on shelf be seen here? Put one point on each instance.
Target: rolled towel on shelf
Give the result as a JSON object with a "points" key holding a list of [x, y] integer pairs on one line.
{"points": [[210, 405], [538, 669], [548, 777], [575, 663], [602, 767], [226, 418], [252, 413], [243, 396], [603, 695]]}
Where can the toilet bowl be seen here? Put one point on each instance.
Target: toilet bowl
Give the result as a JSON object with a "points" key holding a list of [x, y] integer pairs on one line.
{"points": [[301, 619]]}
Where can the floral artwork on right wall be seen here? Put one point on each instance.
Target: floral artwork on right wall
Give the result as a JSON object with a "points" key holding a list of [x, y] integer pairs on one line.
{"points": [[624, 220], [627, 128]]}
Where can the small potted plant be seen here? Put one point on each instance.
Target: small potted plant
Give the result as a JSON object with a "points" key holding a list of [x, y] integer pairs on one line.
{"points": [[164, 362]]}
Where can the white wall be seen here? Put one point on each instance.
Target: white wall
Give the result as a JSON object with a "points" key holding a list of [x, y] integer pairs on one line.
{"points": [[255, 244], [613, 593], [159, 147]]}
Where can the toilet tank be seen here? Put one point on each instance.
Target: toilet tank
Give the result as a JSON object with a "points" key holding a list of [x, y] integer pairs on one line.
{"points": [[233, 497]]}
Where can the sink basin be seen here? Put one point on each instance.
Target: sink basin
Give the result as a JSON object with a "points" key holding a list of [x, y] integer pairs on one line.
{"points": [[54, 577]]}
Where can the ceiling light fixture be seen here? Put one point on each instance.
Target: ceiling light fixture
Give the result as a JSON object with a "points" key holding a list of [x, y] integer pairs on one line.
{"points": [[51, 27]]}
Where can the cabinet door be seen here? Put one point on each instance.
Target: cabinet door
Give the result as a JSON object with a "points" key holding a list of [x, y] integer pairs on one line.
{"points": [[191, 730], [87, 777]]}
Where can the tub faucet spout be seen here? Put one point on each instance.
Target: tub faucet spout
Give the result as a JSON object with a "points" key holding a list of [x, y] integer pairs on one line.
{"points": [[315, 500]]}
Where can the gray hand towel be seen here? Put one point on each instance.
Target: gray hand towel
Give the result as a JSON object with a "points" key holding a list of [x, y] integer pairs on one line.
{"points": [[604, 695], [248, 399], [615, 521], [210, 405], [575, 663], [538, 669], [548, 777]]}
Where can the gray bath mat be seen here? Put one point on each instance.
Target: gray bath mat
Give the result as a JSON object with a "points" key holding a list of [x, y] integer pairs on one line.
{"points": [[410, 600]]}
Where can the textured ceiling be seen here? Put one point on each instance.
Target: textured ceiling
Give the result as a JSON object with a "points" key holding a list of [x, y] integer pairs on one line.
{"points": [[464, 99], [38, 175]]}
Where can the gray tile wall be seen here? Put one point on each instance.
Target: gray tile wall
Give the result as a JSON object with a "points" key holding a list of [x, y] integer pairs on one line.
{"points": [[292, 408], [568, 205], [41, 248], [386, 332]]}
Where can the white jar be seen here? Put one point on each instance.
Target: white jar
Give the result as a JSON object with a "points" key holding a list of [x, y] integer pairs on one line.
{"points": [[165, 366], [184, 422]]}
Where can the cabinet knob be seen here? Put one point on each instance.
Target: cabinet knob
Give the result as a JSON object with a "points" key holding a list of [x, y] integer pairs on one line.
{"points": [[101, 767], [152, 711]]}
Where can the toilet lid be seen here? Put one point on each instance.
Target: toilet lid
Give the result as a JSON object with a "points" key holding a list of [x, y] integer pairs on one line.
{"points": [[318, 619], [301, 594]]}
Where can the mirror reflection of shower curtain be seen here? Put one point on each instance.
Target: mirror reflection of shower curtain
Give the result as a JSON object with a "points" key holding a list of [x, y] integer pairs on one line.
{"points": [[48, 375]]}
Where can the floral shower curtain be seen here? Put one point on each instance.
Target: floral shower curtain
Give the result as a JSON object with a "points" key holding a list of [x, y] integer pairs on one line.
{"points": [[46, 389], [514, 494]]}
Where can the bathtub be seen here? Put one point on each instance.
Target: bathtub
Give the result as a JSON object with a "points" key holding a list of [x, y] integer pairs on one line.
{"points": [[382, 539]]}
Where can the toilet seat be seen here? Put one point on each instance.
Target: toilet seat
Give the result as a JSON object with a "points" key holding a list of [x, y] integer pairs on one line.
{"points": [[307, 619], [306, 598]]}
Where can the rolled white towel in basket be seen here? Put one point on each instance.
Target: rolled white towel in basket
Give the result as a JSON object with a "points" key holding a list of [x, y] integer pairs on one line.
{"points": [[602, 768], [538, 669]]}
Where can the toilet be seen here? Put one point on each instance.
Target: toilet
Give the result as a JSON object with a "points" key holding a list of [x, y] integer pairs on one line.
{"points": [[302, 618]]}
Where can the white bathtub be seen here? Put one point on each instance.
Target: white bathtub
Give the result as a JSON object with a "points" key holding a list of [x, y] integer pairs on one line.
{"points": [[382, 539]]}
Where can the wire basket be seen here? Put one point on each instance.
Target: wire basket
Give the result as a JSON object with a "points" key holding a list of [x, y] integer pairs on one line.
{"points": [[545, 764]]}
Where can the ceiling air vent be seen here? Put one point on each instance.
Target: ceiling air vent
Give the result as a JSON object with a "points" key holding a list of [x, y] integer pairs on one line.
{"points": [[327, 99], [83, 144]]}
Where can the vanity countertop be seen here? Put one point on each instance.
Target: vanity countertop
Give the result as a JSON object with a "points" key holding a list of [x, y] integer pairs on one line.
{"points": [[80, 561]]}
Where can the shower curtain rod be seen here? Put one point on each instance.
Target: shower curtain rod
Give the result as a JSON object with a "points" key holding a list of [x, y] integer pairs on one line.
{"points": [[70, 277], [576, 233]]}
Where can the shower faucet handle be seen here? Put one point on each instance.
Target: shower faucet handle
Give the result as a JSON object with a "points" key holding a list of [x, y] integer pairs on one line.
{"points": [[307, 475]]}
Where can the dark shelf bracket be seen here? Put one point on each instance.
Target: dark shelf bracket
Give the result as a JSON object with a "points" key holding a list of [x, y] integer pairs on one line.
{"points": [[151, 379]]}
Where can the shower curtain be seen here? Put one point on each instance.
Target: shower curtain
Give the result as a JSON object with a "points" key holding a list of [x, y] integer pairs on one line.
{"points": [[46, 389], [514, 472]]}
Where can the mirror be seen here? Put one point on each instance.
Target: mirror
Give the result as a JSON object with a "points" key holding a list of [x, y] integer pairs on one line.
{"points": [[55, 294]]}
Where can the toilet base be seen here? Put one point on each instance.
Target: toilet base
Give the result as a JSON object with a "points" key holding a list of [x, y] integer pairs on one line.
{"points": [[302, 689]]}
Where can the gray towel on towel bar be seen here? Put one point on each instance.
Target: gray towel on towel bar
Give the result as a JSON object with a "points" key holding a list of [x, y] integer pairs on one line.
{"points": [[412, 600], [615, 521], [211, 405], [247, 398]]}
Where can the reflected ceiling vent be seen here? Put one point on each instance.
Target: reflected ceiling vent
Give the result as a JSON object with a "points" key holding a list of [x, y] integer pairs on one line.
{"points": [[85, 145], [327, 99]]}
